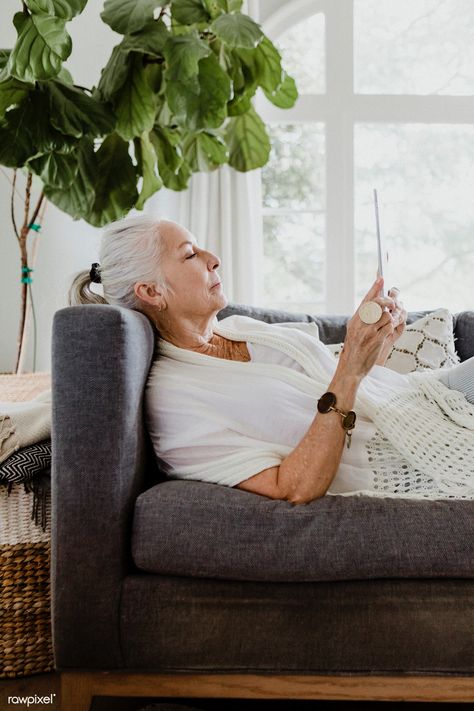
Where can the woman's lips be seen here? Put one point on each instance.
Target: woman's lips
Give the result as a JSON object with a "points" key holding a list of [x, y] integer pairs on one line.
{"points": [[215, 285]]}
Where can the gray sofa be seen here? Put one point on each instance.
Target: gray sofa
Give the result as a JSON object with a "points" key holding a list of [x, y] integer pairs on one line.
{"points": [[188, 589]]}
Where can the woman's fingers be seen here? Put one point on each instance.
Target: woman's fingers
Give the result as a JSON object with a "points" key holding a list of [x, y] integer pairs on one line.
{"points": [[374, 291], [385, 302], [387, 327], [385, 320]]}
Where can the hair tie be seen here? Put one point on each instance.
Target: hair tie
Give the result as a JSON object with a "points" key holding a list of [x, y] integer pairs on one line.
{"points": [[95, 273]]}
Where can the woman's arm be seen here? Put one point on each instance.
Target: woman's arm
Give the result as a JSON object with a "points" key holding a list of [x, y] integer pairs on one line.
{"points": [[307, 472]]}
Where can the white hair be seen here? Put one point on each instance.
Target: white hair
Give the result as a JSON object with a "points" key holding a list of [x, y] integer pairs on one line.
{"points": [[130, 252]]}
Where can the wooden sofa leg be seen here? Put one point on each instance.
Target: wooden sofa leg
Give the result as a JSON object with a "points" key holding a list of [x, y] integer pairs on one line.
{"points": [[76, 691]]}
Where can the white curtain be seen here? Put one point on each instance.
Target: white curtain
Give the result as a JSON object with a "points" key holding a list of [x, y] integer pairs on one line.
{"points": [[223, 211]]}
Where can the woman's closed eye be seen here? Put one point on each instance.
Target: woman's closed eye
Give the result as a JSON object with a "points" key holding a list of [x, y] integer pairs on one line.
{"points": [[194, 254]]}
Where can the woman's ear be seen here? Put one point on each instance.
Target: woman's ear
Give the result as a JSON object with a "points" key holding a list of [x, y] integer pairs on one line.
{"points": [[150, 293]]}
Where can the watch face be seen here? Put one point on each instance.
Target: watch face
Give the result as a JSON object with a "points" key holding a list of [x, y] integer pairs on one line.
{"points": [[326, 401], [348, 421]]}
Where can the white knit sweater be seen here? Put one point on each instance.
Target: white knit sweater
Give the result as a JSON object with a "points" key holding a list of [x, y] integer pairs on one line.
{"points": [[223, 421]]}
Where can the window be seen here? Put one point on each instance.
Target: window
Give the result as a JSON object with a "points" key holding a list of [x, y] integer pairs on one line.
{"points": [[386, 101]]}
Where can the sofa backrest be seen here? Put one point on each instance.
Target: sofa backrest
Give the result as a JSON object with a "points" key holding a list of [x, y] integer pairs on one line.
{"points": [[332, 329]]}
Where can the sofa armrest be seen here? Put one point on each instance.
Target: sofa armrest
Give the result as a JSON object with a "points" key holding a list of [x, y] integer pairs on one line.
{"points": [[464, 333], [101, 356]]}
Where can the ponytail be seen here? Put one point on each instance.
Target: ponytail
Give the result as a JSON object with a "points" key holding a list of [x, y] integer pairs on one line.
{"points": [[131, 250], [81, 292]]}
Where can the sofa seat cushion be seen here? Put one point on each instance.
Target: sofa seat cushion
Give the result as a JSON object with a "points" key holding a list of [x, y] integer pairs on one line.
{"points": [[206, 530]]}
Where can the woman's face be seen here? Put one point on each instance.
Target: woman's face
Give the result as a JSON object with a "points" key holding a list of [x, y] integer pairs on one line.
{"points": [[193, 287]]}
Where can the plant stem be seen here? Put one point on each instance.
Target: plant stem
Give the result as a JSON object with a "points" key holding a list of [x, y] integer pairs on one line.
{"points": [[24, 262], [12, 206], [37, 209]]}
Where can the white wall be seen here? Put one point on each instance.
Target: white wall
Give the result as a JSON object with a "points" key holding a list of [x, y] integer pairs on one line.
{"points": [[66, 246]]}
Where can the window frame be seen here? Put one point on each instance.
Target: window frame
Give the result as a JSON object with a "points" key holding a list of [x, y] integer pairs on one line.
{"points": [[341, 109]]}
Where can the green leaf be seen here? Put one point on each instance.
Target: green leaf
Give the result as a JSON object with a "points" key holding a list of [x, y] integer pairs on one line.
{"points": [[4, 55], [285, 95], [12, 92], [237, 30], [179, 180], [215, 92], [42, 45], [14, 149], [242, 102], [146, 159], [232, 65], [187, 12], [64, 9], [268, 61], [204, 151], [65, 76], [206, 105], [76, 114], [248, 141], [77, 200], [263, 64], [217, 7], [57, 170], [136, 103], [115, 185], [114, 74], [30, 127], [182, 56], [173, 170], [151, 39], [127, 16]]}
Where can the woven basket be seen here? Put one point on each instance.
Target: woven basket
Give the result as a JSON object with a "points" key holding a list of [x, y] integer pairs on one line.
{"points": [[25, 548], [25, 597]]}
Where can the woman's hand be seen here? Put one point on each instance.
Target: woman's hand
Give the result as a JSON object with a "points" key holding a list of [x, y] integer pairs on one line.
{"points": [[399, 316], [368, 344]]}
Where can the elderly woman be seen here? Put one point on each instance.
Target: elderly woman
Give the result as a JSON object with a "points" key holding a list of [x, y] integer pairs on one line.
{"points": [[267, 407]]}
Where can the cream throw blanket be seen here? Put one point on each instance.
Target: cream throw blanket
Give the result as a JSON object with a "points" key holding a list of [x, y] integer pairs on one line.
{"points": [[24, 423], [204, 414]]}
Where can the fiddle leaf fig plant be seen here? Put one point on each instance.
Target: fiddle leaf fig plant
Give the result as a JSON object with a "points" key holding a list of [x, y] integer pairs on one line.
{"points": [[174, 98]]}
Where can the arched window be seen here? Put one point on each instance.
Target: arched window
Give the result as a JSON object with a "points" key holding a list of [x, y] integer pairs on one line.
{"points": [[386, 101]]}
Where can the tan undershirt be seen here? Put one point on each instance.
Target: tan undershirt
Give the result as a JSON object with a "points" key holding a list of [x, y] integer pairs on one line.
{"points": [[221, 347]]}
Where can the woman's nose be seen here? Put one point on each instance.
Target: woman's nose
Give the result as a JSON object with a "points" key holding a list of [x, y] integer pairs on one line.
{"points": [[213, 262]]}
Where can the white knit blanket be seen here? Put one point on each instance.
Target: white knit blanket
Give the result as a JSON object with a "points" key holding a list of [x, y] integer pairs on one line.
{"points": [[433, 427], [24, 423]]}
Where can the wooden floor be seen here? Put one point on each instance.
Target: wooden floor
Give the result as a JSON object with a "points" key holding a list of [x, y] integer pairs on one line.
{"points": [[46, 684]]}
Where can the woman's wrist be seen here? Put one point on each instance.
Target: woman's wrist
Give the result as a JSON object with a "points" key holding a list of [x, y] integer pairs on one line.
{"points": [[346, 375], [345, 385]]}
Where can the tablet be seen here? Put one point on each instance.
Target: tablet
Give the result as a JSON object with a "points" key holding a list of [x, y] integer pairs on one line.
{"points": [[382, 252]]}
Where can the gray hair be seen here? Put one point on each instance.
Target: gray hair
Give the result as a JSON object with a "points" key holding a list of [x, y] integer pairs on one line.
{"points": [[130, 252]]}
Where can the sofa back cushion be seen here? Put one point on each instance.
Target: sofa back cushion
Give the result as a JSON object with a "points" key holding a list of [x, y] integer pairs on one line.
{"points": [[332, 329]]}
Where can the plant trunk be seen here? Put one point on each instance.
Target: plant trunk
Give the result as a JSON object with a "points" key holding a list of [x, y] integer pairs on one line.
{"points": [[24, 293]]}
